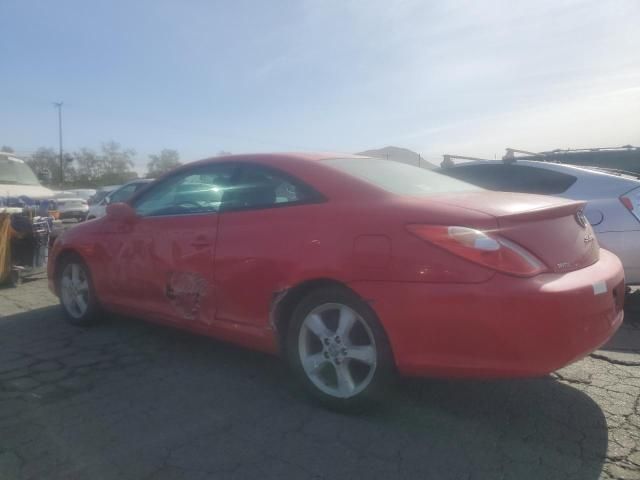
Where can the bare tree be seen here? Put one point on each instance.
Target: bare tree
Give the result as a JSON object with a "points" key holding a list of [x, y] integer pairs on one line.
{"points": [[45, 162], [113, 165], [166, 160]]}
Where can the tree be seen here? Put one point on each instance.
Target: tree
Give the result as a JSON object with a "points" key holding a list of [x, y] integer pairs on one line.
{"points": [[113, 165], [166, 160], [45, 162], [7, 149], [222, 153], [90, 166]]}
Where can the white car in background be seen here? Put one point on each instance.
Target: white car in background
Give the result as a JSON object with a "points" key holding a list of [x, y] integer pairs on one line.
{"points": [[613, 198], [120, 194], [72, 208], [17, 179], [84, 193]]}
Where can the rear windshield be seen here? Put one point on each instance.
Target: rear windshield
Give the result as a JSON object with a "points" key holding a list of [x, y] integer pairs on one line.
{"points": [[400, 178]]}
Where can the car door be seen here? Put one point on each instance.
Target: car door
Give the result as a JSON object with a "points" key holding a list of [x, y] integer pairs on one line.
{"points": [[163, 262], [260, 238]]}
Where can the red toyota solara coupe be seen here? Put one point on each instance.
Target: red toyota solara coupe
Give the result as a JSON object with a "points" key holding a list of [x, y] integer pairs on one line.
{"points": [[352, 268]]}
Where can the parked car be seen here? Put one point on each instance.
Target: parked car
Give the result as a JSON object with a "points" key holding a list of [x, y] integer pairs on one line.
{"points": [[118, 194], [84, 193], [352, 268], [101, 193], [613, 199], [72, 208], [626, 158], [18, 180]]}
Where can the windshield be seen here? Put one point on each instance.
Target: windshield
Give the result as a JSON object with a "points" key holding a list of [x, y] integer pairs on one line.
{"points": [[400, 178], [15, 172]]}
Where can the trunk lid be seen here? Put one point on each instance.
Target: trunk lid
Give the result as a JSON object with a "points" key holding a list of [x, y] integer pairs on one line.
{"points": [[553, 229]]}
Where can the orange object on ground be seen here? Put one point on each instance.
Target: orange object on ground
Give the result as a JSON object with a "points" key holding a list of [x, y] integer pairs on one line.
{"points": [[5, 246]]}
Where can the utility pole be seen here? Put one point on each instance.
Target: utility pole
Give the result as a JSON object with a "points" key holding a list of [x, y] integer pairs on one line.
{"points": [[58, 105]]}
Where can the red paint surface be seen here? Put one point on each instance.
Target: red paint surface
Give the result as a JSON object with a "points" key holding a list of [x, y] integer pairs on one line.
{"points": [[443, 314]]}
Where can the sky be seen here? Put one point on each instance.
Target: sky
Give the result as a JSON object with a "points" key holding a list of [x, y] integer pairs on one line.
{"points": [[455, 76]]}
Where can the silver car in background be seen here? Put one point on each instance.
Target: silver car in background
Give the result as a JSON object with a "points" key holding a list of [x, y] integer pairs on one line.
{"points": [[613, 198], [72, 208], [121, 193]]}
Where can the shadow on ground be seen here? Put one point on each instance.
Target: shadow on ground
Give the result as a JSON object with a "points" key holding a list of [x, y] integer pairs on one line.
{"points": [[127, 399]]}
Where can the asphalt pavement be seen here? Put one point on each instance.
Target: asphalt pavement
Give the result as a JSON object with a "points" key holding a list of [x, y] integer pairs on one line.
{"points": [[131, 400]]}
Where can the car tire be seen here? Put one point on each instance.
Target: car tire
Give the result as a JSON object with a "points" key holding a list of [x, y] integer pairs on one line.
{"points": [[338, 350], [76, 291]]}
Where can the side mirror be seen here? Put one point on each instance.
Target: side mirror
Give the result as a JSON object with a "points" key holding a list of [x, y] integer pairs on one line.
{"points": [[121, 211], [106, 200]]}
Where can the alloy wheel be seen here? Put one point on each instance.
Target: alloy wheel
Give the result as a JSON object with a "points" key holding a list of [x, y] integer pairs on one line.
{"points": [[337, 350], [74, 290]]}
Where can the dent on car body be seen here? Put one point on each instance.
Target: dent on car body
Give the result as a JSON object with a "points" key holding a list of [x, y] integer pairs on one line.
{"points": [[185, 291], [276, 300]]}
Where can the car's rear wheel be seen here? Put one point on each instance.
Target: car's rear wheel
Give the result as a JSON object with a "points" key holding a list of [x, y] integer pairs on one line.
{"points": [[75, 288], [338, 349]]}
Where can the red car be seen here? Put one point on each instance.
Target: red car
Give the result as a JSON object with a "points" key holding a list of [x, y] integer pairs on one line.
{"points": [[352, 268]]}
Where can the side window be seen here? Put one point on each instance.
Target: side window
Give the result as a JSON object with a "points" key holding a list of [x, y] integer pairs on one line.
{"points": [[513, 178], [541, 180], [260, 187], [123, 194], [192, 192], [489, 176]]}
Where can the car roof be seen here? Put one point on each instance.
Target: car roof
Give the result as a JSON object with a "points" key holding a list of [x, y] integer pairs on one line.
{"points": [[273, 158], [306, 166]]}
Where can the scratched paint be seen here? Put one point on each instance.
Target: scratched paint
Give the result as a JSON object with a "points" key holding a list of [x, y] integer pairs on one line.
{"points": [[185, 291]]}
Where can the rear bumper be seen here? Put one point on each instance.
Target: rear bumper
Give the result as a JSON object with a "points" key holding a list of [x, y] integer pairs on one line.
{"points": [[73, 214], [506, 327]]}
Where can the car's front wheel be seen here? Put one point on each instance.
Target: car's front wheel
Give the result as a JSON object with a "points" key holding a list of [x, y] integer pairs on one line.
{"points": [[75, 288], [338, 349]]}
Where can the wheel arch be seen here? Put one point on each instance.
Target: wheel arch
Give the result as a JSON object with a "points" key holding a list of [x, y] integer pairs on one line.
{"points": [[285, 301], [61, 257]]}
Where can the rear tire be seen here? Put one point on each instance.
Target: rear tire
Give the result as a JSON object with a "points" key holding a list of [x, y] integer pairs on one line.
{"points": [[338, 350], [77, 295]]}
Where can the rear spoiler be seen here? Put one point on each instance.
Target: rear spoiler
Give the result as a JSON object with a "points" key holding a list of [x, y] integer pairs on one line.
{"points": [[551, 211]]}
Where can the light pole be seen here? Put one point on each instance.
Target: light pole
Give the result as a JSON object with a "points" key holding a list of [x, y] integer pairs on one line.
{"points": [[58, 105]]}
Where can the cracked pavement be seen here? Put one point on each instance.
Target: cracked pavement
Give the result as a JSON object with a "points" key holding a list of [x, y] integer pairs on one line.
{"points": [[130, 400]]}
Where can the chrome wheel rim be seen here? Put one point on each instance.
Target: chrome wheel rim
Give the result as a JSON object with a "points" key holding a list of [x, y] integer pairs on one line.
{"points": [[74, 290], [337, 350]]}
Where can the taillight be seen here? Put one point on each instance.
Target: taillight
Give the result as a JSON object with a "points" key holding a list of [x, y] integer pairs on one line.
{"points": [[631, 200], [480, 247]]}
